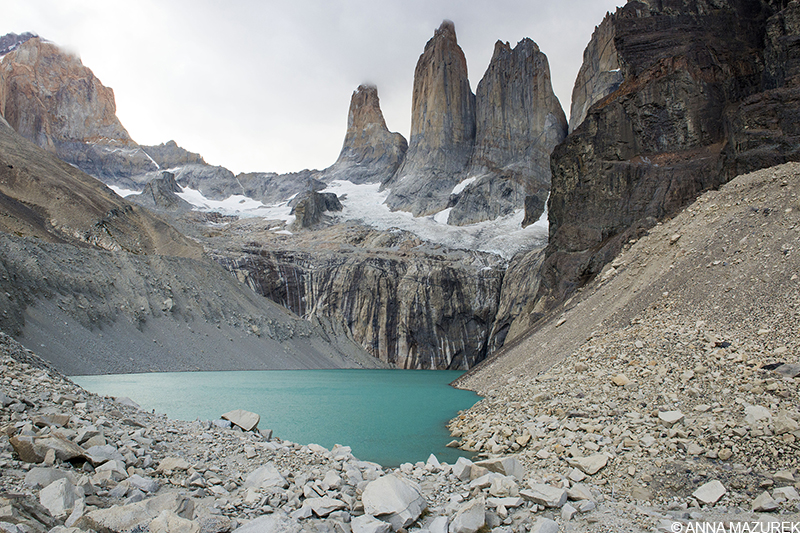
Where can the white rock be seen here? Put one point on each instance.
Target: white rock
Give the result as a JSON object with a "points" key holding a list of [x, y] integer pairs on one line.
{"points": [[42, 477], [546, 495], [783, 423], [59, 497], [394, 499], [433, 463], [244, 419], [764, 503], [590, 465], [756, 413], [670, 418], [508, 466], [568, 512], [369, 524], [100, 454], [172, 464], [710, 492], [270, 523], [144, 484], [134, 515], [265, 476], [332, 480], [470, 517], [579, 491], [508, 502], [462, 468], [440, 524], [324, 506], [785, 493], [544, 525], [169, 522]]}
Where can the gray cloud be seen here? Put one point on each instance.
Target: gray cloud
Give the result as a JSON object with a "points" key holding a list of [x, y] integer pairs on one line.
{"points": [[265, 85]]}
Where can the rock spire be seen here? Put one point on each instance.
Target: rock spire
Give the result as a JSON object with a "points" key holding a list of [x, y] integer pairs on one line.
{"points": [[370, 153], [442, 126]]}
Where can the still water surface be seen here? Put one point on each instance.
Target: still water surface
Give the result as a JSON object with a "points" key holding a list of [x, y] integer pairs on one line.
{"points": [[386, 416]]}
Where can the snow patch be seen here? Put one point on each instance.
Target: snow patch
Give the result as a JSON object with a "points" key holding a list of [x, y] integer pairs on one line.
{"points": [[463, 185], [442, 216], [504, 236], [238, 205], [122, 192]]}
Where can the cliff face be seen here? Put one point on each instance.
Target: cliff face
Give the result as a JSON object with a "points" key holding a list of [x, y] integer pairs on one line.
{"points": [[408, 304], [370, 153], [663, 135], [442, 127], [519, 121], [50, 98], [600, 73]]}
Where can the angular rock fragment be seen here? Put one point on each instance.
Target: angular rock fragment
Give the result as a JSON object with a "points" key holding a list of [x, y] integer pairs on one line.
{"points": [[394, 499]]}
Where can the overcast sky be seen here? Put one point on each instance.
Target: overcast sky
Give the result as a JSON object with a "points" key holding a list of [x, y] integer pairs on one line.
{"points": [[265, 85]]}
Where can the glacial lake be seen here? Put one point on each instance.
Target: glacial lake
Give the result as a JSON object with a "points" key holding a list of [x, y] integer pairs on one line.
{"points": [[386, 416]]}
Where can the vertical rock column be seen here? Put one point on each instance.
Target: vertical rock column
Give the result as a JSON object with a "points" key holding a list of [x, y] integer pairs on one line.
{"points": [[370, 153], [519, 121], [442, 128]]}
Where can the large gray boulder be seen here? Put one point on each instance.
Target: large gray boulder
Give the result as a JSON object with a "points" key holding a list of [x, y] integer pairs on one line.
{"points": [[394, 499], [264, 477]]}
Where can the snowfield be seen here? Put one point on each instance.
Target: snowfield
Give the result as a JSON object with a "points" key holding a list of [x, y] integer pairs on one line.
{"points": [[364, 203]]}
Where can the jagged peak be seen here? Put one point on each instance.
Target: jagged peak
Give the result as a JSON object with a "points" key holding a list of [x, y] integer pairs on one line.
{"points": [[445, 33], [365, 108]]}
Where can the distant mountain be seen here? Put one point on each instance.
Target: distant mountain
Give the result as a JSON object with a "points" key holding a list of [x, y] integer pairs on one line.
{"points": [[480, 154]]}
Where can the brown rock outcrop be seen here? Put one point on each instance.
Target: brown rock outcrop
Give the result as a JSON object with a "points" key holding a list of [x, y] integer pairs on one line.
{"points": [[662, 137], [519, 121], [49, 97], [370, 153], [442, 127]]}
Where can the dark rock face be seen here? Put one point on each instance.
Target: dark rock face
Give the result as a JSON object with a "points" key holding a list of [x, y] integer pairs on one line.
{"points": [[517, 298], [442, 127], [160, 194], [11, 41], [272, 188], [407, 304], [311, 206], [663, 135], [498, 141], [518, 123], [370, 153]]}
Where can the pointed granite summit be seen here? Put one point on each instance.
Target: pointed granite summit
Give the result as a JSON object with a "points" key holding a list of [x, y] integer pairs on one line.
{"points": [[519, 121], [442, 127], [370, 153]]}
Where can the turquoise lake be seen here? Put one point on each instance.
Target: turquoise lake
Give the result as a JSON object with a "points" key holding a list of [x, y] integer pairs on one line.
{"points": [[386, 416]]}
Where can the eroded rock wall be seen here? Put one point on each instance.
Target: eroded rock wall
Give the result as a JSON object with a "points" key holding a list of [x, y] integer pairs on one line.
{"points": [[406, 303]]}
